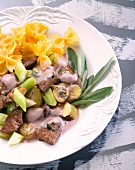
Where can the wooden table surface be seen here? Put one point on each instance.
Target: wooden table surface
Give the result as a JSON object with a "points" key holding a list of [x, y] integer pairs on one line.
{"points": [[114, 149]]}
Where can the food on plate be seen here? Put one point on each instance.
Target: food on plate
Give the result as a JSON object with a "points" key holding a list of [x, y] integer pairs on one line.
{"points": [[42, 83]]}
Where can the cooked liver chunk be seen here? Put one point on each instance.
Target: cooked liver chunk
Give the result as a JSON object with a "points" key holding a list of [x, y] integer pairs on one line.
{"points": [[43, 85], [13, 121], [66, 68], [4, 101], [29, 63], [46, 110], [49, 136], [2, 87]]}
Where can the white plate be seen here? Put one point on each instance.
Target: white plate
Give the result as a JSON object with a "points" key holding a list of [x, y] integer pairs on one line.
{"points": [[93, 119]]}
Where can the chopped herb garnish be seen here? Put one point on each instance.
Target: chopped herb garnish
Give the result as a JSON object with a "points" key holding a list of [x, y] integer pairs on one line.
{"points": [[35, 72], [63, 70], [61, 93], [50, 127], [53, 74]]}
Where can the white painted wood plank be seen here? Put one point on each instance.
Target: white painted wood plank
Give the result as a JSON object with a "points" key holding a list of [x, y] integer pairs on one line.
{"points": [[126, 3], [52, 165], [127, 101], [120, 134], [108, 14], [124, 47], [41, 2], [117, 161]]}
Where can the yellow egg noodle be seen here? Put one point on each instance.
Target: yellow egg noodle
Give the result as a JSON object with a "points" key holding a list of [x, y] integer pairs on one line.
{"points": [[30, 40]]}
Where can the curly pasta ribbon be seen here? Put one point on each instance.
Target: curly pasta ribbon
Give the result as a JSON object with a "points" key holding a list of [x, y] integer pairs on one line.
{"points": [[4, 40], [30, 40], [40, 49], [71, 37], [7, 62], [60, 43], [35, 32]]}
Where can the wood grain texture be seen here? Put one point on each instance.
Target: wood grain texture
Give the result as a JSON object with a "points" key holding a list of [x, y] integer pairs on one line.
{"points": [[109, 14], [126, 3], [115, 161]]}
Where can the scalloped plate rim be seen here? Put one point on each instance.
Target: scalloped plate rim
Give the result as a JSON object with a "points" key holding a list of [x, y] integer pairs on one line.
{"points": [[110, 116]]}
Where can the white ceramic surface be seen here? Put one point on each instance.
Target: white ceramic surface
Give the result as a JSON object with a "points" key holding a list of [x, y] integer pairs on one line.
{"points": [[93, 119]]}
